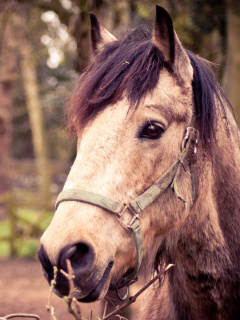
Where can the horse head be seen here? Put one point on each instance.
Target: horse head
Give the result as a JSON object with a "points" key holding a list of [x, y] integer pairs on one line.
{"points": [[135, 179]]}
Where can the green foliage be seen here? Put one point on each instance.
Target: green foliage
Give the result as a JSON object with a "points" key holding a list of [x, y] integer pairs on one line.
{"points": [[29, 225], [27, 248], [5, 229], [143, 11], [4, 249], [5, 235]]}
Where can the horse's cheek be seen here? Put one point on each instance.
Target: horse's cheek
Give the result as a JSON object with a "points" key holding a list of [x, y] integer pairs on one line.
{"points": [[169, 212]]}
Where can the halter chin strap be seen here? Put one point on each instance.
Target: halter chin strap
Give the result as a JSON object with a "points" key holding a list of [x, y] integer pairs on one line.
{"points": [[185, 159]]}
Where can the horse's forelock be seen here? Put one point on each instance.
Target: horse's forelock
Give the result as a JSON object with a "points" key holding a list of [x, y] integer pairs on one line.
{"points": [[131, 65]]}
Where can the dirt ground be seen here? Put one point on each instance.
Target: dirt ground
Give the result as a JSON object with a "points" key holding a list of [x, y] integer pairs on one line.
{"points": [[23, 289]]}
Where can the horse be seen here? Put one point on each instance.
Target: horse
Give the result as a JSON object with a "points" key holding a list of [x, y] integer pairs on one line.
{"points": [[155, 180]]}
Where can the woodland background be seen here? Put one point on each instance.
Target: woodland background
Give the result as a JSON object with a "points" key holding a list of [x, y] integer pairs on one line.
{"points": [[44, 46]]}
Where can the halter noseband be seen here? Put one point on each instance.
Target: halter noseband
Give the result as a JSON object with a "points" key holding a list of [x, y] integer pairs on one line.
{"points": [[186, 158]]}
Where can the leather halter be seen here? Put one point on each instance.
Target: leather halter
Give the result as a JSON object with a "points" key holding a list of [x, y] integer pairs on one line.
{"points": [[186, 158]]}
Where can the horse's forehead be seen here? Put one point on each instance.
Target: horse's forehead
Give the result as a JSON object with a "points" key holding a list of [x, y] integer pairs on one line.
{"points": [[167, 94], [168, 98], [110, 120], [169, 89], [102, 134]]}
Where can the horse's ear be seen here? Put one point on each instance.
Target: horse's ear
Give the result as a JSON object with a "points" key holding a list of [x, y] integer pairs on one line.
{"points": [[99, 35], [167, 42], [163, 36]]}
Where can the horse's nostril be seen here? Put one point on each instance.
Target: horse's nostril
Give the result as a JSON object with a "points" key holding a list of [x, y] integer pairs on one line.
{"points": [[81, 256], [46, 264]]}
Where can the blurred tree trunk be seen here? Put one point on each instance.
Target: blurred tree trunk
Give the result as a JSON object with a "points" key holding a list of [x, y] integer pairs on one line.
{"points": [[82, 28], [7, 77], [80, 34], [30, 84], [231, 80]]}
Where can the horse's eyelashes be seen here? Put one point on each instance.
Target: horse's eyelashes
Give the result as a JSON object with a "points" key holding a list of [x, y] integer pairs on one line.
{"points": [[152, 130]]}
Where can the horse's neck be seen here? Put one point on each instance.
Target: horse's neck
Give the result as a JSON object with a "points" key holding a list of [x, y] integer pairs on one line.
{"points": [[214, 221], [226, 187], [206, 276], [202, 260]]}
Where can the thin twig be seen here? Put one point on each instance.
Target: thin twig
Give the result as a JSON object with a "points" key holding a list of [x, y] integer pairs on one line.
{"points": [[105, 309], [132, 299], [50, 308], [73, 304], [51, 311], [121, 317], [20, 315]]}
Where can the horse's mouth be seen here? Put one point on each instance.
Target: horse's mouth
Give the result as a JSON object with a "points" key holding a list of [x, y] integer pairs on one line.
{"points": [[62, 287], [95, 293]]}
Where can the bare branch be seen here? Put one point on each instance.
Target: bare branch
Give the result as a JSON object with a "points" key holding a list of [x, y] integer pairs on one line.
{"points": [[132, 299], [74, 306]]}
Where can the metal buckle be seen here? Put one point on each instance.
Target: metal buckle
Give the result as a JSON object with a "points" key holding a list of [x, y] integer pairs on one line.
{"points": [[187, 135], [125, 296], [133, 213], [127, 290], [185, 139]]}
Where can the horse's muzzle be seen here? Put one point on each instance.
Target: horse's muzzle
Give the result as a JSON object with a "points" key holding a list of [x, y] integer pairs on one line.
{"points": [[81, 257]]}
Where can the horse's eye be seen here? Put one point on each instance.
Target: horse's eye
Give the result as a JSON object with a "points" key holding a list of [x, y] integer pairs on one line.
{"points": [[152, 131]]}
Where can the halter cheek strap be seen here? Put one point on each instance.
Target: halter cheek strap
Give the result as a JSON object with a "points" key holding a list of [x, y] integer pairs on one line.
{"points": [[136, 206]]}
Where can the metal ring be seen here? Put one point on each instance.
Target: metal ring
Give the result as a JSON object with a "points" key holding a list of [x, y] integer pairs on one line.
{"points": [[125, 296]]}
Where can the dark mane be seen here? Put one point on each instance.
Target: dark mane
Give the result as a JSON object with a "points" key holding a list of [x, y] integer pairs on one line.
{"points": [[208, 95], [133, 65]]}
